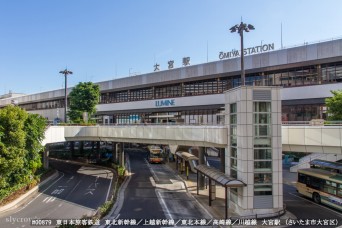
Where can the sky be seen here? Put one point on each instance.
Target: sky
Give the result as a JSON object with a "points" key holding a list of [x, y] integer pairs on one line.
{"points": [[101, 40]]}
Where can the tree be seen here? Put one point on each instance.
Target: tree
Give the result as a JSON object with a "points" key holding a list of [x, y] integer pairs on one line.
{"points": [[83, 98], [34, 127], [334, 105], [12, 145], [21, 134]]}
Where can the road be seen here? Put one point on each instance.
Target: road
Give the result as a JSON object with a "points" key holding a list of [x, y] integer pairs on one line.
{"points": [[154, 192], [78, 191]]}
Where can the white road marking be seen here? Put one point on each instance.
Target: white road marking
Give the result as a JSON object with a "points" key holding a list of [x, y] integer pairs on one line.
{"points": [[70, 179], [164, 206], [152, 171], [51, 199], [90, 192], [110, 185], [41, 193], [316, 204], [57, 191]]}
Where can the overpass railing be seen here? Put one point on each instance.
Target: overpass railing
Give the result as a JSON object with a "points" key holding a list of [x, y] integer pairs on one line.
{"points": [[312, 123]]}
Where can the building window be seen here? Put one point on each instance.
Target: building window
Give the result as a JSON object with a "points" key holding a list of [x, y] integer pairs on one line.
{"points": [[262, 148], [233, 140]]}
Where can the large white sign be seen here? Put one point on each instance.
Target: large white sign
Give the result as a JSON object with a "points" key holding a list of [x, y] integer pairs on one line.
{"points": [[247, 51]]}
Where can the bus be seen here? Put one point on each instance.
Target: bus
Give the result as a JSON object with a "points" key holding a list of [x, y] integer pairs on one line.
{"points": [[322, 186], [155, 154]]}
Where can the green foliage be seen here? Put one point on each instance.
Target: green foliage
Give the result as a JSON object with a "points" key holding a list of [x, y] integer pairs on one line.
{"points": [[106, 207], [12, 145], [20, 137], [334, 105], [34, 128], [121, 171], [83, 98]]}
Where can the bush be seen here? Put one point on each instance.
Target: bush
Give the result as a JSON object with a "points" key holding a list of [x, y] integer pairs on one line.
{"points": [[121, 171], [105, 208]]}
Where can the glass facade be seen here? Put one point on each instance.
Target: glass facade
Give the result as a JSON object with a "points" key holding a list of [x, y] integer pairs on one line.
{"points": [[300, 76], [303, 112], [233, 140], [262, 148]]}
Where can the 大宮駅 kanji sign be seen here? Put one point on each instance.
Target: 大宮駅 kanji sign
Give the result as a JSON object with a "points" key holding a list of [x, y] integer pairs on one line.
{"points": [[247, 51]]}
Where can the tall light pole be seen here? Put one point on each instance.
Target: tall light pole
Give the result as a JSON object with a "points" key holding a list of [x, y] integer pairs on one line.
{"points": [[239, 29], [65, 72]]}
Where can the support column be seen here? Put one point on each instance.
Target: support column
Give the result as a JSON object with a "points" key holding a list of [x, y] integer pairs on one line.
{"points": [[120, 153], [46, 157], [114, 154], [98, 155], [80, 147], [319, 74], [72, 149], [201, 178], [222, 159], [123, 155]]}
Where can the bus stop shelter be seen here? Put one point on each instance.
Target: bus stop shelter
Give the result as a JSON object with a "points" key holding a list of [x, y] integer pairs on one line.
{"points": [[183, 157], [219, 177]]}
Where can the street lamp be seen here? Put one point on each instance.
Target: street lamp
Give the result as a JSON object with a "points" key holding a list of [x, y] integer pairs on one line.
{"points": [[65, 72], [239, 29]]}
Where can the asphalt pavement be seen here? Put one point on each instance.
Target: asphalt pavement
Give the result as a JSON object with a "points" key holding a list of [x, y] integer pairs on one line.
{"points": [[78, 191], [154, 193]]}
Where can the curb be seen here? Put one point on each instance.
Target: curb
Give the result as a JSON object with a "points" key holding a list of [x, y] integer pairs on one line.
{"points": [[119, 197], [14, 203]]}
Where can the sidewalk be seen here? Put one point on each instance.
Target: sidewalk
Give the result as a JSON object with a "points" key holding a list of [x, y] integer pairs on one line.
{"points": [[217, 208]]}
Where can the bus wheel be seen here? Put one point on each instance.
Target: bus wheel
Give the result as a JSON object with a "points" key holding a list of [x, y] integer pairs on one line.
{"points": [[316, 198]]}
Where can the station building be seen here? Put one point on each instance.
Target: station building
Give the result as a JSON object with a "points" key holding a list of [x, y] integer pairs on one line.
{"points": [[195, 94], [288, 84]]}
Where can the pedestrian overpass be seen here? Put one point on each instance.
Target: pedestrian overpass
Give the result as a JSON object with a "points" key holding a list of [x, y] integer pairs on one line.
{"points": [[310, 139]]}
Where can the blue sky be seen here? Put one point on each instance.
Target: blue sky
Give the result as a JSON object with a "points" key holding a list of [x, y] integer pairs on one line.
{"points": [[105, 39]]}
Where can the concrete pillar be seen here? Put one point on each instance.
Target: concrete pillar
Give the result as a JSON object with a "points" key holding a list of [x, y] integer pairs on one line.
{"points": [[80, 147], [120, 154], [122, 161], [319, 74], [46, 157], [222, 159], [201, 180], [98, 155], [114, 154], [72, 149]]}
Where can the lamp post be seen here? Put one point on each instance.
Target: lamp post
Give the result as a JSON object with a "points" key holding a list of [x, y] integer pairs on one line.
{"points": [[239, 29], [65, 72]]}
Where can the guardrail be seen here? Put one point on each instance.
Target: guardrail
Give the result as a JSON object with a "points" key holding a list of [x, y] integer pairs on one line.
{"points": [[139, 124], [312, 123], [284, 123]]}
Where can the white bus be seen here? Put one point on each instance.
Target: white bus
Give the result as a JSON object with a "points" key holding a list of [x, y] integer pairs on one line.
{"points": [[322, 186]]}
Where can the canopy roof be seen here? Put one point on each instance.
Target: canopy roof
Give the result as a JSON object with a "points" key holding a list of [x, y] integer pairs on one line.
{"points": [[219, 177], [186, 156]]}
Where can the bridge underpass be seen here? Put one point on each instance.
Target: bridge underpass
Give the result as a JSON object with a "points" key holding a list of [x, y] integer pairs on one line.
{"points": [[309, 139]]}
